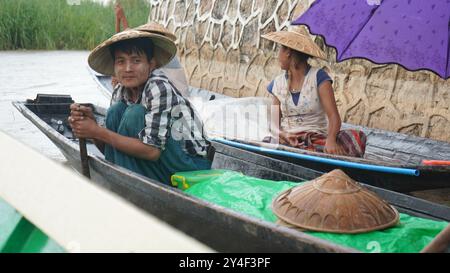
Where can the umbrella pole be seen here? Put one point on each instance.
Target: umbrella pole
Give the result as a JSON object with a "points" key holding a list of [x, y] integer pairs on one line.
{"points": [[84, 158], [439, 244]]}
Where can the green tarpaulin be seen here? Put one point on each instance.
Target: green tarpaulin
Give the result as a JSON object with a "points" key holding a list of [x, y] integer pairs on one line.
{"points": [[18, 235], [253, 196]]}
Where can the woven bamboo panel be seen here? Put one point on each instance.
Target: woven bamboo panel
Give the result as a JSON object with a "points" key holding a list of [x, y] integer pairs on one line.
{"points": [[220, 46]]}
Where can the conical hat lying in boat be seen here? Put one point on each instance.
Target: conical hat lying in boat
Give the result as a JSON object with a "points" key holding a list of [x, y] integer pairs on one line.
{"points": [[334, 203]]}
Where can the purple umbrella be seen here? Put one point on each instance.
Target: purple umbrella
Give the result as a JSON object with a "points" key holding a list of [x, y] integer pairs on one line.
{"points": [[411, 33]]}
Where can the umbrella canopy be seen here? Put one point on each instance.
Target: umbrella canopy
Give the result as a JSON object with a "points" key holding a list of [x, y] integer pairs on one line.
{"points": [[411, 33]]}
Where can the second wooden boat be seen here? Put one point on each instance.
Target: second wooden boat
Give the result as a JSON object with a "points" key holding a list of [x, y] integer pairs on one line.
{"points": [[392, 161]]}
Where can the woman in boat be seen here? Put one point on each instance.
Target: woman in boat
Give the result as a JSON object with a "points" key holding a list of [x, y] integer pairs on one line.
{"points": [[151, 128], [303, 97]]}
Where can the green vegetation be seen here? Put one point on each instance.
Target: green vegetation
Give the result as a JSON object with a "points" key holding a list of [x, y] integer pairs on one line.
{"points": [[54, 24]]}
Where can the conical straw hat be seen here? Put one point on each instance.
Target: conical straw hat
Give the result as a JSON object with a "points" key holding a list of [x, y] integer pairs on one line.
{"points": [[157, 28], [334, 203], [101, 61], [298, 39]]}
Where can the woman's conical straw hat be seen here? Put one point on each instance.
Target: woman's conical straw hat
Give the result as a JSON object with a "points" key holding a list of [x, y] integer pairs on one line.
{"points": [[298, 39], [334, 203]]}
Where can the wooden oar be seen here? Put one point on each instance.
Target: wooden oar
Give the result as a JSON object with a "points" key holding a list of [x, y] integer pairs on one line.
{"points": [[83, 154], [84, 158], [439, 244]]}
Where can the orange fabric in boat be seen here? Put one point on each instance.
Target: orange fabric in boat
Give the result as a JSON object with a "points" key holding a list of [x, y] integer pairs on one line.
{"points": [[436, 162]]}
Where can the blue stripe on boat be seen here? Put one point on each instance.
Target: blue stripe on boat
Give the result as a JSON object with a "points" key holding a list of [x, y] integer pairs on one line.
{"points": [[336, 162]]}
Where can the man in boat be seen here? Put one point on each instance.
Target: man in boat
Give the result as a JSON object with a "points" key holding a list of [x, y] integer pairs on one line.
{"points": [[151, 128], [173, 70], [304, 99]]}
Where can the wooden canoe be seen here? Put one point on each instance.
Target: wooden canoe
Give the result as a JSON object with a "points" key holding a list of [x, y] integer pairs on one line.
{"points": [[392, 161], [198, 218]]}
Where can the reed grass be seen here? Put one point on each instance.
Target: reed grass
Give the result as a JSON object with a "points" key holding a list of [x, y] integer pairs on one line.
{"points": [[55, 24]]}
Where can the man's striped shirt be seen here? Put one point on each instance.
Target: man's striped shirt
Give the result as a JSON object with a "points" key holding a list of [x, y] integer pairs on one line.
{"points": [[169, 114]]}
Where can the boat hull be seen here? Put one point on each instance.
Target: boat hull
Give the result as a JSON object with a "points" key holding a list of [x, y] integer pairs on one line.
{"points": [[426, 178], [220, 228]]}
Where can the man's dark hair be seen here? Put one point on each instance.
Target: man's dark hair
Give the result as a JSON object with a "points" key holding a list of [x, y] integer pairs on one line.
{"points": [[136, 45]]}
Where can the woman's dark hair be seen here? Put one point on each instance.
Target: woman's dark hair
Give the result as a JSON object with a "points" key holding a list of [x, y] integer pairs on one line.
{"points": [[299, 57], [136, 45]]}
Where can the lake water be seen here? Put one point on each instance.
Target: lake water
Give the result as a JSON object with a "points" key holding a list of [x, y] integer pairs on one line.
{"points": [[23, 74]]}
